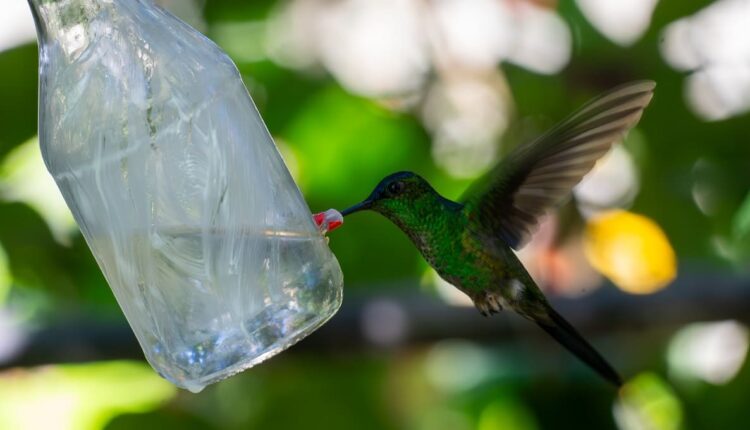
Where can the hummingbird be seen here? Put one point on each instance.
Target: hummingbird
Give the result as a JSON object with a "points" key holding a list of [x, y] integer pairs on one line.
{"points": [[471, 243]]}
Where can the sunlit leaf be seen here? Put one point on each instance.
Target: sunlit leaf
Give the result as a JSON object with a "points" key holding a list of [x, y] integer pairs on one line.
{"points": [[24, 178], [648, 403], [78, 397]]}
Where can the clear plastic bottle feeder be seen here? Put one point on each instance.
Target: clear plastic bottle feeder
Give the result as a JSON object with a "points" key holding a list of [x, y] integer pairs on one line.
{"points": [[179, 190]]}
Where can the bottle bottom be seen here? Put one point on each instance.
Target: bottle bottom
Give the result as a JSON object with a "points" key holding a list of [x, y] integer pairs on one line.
{"points": [[227, 353]]}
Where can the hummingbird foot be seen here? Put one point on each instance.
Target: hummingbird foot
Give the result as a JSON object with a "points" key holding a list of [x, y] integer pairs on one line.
{"points": [[489, 303]]}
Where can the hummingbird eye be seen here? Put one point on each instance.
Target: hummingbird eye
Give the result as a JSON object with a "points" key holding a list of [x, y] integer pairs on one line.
{"points": [[396, 188]]}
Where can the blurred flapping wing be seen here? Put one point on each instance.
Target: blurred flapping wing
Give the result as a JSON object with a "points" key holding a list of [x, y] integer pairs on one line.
{"points": [[538, 176]]}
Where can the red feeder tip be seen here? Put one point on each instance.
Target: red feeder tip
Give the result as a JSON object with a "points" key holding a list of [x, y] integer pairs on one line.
{"points": [[319, 219], [329, 220]]}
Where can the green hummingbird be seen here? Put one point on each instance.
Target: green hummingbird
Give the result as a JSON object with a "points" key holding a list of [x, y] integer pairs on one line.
{"points": [[470, 244]]}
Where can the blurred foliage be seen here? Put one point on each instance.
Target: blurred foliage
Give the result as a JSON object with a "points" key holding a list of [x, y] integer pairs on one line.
{"points": [[648, 402], [78, 397], [339, 145]]}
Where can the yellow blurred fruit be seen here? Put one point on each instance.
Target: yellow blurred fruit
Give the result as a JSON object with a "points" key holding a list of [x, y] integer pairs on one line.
{"points": [[631, 250]]}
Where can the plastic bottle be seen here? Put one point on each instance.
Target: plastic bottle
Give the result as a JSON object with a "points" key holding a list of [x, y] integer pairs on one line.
{"points": [[179, 190]]}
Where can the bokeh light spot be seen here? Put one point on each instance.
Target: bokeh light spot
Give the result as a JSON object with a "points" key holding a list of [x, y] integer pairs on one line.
{"points": [[613, 183], [622, 22], [374, 48], [447, 356], [713, 44], [713, 352], [542, 39], [475, 33], [466, 118], [631, 250], [559, 266], [648, 403], [385, 323], [16, 25], [78, 397]]}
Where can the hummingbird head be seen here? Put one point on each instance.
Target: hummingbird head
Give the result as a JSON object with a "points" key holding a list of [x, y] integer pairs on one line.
{"points": [[401, 197]]}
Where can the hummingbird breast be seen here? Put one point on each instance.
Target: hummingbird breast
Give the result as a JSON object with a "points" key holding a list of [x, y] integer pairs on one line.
{"points": [[457, 256], [440, 229]]}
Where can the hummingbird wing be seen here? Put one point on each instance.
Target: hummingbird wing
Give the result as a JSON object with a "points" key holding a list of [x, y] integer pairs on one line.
{"points": [[538, 176]]}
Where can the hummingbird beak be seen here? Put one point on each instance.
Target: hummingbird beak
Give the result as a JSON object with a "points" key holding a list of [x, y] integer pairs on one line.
{"points": [[367, 204]]}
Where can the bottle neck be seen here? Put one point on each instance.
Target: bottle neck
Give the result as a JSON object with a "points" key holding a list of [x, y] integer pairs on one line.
{"points": [[55, 16]]}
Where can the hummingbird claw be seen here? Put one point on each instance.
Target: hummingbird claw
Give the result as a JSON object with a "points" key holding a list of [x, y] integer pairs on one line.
{"points": [[489, 303], [493, 302], [483, 309]]}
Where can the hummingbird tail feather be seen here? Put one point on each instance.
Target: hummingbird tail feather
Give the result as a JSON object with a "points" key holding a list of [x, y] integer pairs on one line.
{"points": [[561, 330]]}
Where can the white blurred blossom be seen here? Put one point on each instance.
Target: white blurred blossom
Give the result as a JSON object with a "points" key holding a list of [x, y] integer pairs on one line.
{"points": [[612, 183], [542, 41], [713, 43], [474, 33], [713, 352], [465, 117], [623, 22], [16, 25], [440, 57]]}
